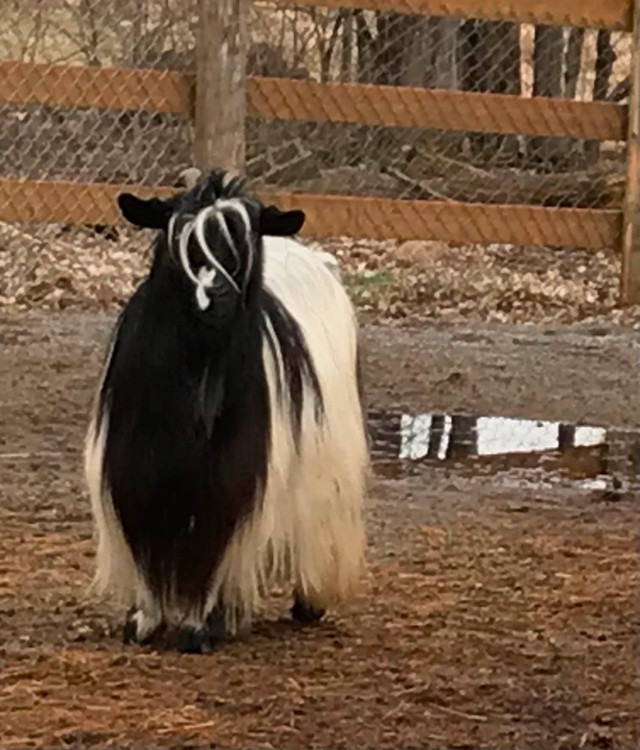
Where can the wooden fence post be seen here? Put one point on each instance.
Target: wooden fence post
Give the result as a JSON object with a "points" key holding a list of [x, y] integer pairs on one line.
{"points": [[220, 84], [630, 281]]}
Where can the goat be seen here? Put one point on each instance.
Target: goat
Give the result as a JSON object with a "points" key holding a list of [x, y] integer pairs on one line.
{"points": [[190, 176], [227, 452]]}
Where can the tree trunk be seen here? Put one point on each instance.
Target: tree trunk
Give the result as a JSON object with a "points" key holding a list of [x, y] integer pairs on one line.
{"points": [[431, 54], [220, 96], [408, 50], [396, 36], [490, 61], [417, 64], [547, 81], [346, 58], [573, 62], [604, 65], [605, 57], [444, 65], [573, 67], [547, 61], [367, 48], [445, 61]]}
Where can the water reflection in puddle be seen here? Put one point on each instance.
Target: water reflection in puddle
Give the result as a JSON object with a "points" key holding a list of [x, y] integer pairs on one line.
{"points": [[598, 457], [433, 436]]}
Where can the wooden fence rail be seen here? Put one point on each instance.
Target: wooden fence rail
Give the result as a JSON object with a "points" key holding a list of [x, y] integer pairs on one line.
{"points": [[287, 99], [336, 215], [375, 105]]}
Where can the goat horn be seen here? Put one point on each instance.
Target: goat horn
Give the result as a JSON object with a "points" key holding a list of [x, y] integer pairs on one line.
{"points": [[189, 177]]}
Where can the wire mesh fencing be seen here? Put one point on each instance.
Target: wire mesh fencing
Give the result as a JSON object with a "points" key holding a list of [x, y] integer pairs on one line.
{"points": [[391, 49], [327, 139], [61, 263], [91, 144], [319, 44]]}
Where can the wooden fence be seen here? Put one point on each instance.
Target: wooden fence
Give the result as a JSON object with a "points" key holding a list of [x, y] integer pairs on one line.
{"points": [[219, 131]]}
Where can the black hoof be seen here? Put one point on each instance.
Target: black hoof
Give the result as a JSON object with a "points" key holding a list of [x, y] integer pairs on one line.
{"points": [[191, 641], [216, 626], [306, 613], [207, 638], [130, 631]]}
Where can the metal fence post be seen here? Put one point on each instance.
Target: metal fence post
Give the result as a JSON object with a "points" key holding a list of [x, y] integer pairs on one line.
{"points": [[630, 281], [220, 84]]}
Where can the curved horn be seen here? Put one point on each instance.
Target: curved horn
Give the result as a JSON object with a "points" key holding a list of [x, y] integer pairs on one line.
{"points": [[189, 177]]}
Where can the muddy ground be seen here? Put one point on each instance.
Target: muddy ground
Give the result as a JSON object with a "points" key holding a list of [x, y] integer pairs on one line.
{"points": [[491, 617]]}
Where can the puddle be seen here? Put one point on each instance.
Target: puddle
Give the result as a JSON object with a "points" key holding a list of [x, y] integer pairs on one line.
{"points": [[488, 436], [596, 457]]}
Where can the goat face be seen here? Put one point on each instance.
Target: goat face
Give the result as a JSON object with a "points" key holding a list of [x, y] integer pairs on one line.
{"points": [[211, 240]]}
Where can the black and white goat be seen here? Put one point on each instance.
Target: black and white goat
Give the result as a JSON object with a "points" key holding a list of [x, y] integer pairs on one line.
{"points": [[227, 451]]}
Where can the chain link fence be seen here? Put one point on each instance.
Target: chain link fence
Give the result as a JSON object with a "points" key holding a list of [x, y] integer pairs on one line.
{"points": [[91, 145], [386, 48], [382, 48]]}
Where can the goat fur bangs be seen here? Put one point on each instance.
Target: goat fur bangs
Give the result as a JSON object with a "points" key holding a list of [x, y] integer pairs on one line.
{"points": [[227, 452]]}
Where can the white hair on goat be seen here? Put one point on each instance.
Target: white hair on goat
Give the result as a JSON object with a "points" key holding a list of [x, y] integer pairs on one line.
{"points": [[227, 452], [189, 178], [310, 518]]}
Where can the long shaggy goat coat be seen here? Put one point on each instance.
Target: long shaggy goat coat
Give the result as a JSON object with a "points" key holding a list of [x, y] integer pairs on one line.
{"points": [[227, 450]]}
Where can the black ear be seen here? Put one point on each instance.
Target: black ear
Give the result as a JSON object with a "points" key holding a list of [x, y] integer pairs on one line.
{"points": [[150, 214], [279, 223]]}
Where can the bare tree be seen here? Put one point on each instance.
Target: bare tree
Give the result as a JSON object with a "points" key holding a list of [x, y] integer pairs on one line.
{"points": [[490, 61], [346, 58], [621, 90], [328, 46], [86, 35], [605, 58], [405, 50], [547, 81], [573, 60], [445, 46], [30, 29]]}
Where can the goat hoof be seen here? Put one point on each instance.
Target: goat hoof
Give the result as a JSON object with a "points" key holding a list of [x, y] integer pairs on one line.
{"points": [[192, 641], [206, 639], [306, 613], [216, 626], [136, 630], [130, 628], [129, 632]]}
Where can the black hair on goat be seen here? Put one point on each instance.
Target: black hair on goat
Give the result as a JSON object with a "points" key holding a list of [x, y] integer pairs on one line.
{"points": [[210, 387]]}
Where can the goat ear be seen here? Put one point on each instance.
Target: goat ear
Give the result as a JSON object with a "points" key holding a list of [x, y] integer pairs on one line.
{"points": [[279, 223], [150, 214]]}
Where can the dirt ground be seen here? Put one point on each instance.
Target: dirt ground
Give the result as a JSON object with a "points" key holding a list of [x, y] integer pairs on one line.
{"points": [[490, 617]]}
